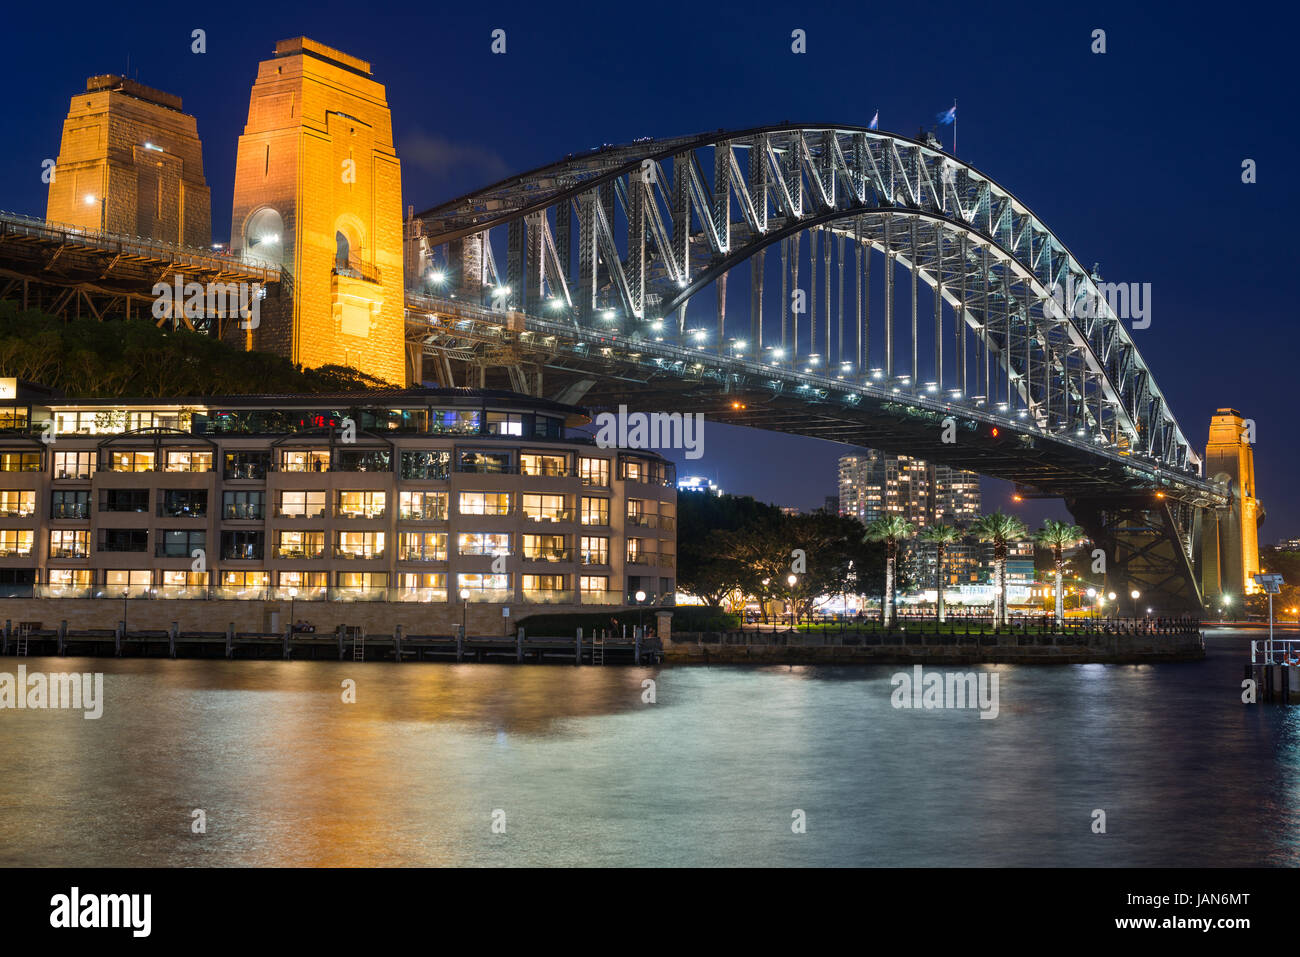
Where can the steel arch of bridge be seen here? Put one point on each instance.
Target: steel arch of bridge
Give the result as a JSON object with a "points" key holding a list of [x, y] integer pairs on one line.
{"points": [[642, 229]]}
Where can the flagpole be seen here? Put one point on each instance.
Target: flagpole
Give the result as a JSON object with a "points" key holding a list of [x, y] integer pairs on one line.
{"points": [[954, 126]]}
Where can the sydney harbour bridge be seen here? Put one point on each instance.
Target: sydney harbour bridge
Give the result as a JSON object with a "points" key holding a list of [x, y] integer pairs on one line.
{"points": [[605, 279]]}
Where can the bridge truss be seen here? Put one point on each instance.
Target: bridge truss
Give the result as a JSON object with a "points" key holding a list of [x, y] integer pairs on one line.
{"points": [[586, 278]]}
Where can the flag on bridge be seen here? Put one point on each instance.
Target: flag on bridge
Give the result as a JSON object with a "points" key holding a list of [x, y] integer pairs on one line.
{"points": [[875, 122], [949, 115]]}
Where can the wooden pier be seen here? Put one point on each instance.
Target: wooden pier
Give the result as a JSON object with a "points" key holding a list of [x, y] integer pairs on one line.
{"points": [[345, 644]]}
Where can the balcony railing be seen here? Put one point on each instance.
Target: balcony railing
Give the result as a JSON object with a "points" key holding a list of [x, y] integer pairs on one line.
{"points": [[493, 550], [300, 551], [251, 473], [15, 551], [360, 511], [70, 510], [549, 515], [70, 551], [490, 511], [546, 471], [422, 514], [21, 511], [244, 513], [547, 555], [602, 598], [359, 552], [419, 594], [422, 554], [358, 269], [549, 596], [309, 511]]}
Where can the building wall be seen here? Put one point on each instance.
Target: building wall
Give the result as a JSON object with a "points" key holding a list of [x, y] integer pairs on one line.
{"points": [[318, 151], [156, 191], [639, 496]]}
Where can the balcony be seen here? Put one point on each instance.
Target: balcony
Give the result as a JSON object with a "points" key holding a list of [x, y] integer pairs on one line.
{"points": [[422, 514], [300, 552], [70, 551], [420, 594], [601, 598], [493, 550], [422, 554], [653, 559], [250, 473], [15, 551], [360, 511], [549, 596], [491, 595], [309, 511], [358, 269], [546, 471], [548, 555], [303, 593], [358, 593], [358, 552], [18, 511], [665, 522], [549, 515], [242, 513]]}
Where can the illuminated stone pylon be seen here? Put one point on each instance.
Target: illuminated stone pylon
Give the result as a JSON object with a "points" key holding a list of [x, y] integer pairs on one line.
{"points": [[130, 161], [1230, 536], [318, 190]]}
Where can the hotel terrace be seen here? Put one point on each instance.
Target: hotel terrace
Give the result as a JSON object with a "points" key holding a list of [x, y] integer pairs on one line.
{"points": [[435, 496]]}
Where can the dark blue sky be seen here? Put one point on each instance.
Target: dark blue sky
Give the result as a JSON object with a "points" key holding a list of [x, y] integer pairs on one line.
{"points": [[1132, 157]]}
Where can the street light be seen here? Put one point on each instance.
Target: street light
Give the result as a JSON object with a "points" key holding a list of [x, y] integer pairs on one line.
{"points": [[1135, 595], [464, 621], [293, 594], [792, 581], [90, 201], [640, 597], [1092, 595]]}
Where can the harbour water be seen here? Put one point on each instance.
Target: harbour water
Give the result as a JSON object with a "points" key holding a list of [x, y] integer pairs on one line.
{"points": [[581, 770]]}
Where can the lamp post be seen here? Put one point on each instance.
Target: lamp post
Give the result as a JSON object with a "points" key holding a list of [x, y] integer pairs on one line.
{"points": [[293, 593], [792, 581], [464, 621], [640, 597], [1135, 595], [1092, 596], [90, 201]]}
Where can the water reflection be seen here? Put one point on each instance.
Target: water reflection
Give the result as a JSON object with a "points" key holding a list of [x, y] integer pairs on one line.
{"points": [[587, 773]]}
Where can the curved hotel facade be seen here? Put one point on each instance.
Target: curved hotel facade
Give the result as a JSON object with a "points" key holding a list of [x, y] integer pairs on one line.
{"points": [[405, 497]]}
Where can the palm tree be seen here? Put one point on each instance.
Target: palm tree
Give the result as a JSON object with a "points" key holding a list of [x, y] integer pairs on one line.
{"points": [[940, 536], [889, 529], [1058, 536], [1000, 529]]}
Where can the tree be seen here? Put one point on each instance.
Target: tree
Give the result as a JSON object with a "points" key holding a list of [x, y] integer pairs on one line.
{"points": [[940, 536], [1058, 536], [889, 529], [1000, 529], [709, 528]]}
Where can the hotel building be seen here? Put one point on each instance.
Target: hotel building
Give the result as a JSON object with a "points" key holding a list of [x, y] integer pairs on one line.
{"points": [[398, 497]]}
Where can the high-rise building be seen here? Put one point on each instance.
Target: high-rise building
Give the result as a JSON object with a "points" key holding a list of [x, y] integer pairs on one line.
{"points": [[130, 162], [318, 192], [873, 484]]}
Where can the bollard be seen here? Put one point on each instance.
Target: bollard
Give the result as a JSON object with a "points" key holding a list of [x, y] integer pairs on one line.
{"points": [[460, 642], [519, 645], [338, 633], [171, 639], [636, 646], [63, 635], [287, 632], [577, 648], [117, 638], [230, 640], [397, 643]]}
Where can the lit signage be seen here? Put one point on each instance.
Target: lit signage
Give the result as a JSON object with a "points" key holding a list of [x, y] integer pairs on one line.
{"points": [[8, 389]]}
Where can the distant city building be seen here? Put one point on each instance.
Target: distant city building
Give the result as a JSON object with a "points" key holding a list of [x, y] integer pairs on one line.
{"points": [[1290, 545], [832, 505], [697, 483], [873, 484], [790, 510]]}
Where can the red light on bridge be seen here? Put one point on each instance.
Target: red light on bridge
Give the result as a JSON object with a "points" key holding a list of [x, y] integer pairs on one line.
{"points": [[995, 431]]}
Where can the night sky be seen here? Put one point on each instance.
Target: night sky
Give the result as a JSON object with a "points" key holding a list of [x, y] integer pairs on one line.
{"points": [[1133, 157]]}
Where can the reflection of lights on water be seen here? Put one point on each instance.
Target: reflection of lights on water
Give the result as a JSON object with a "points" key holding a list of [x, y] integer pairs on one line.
{"points": [[501, 736]]}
